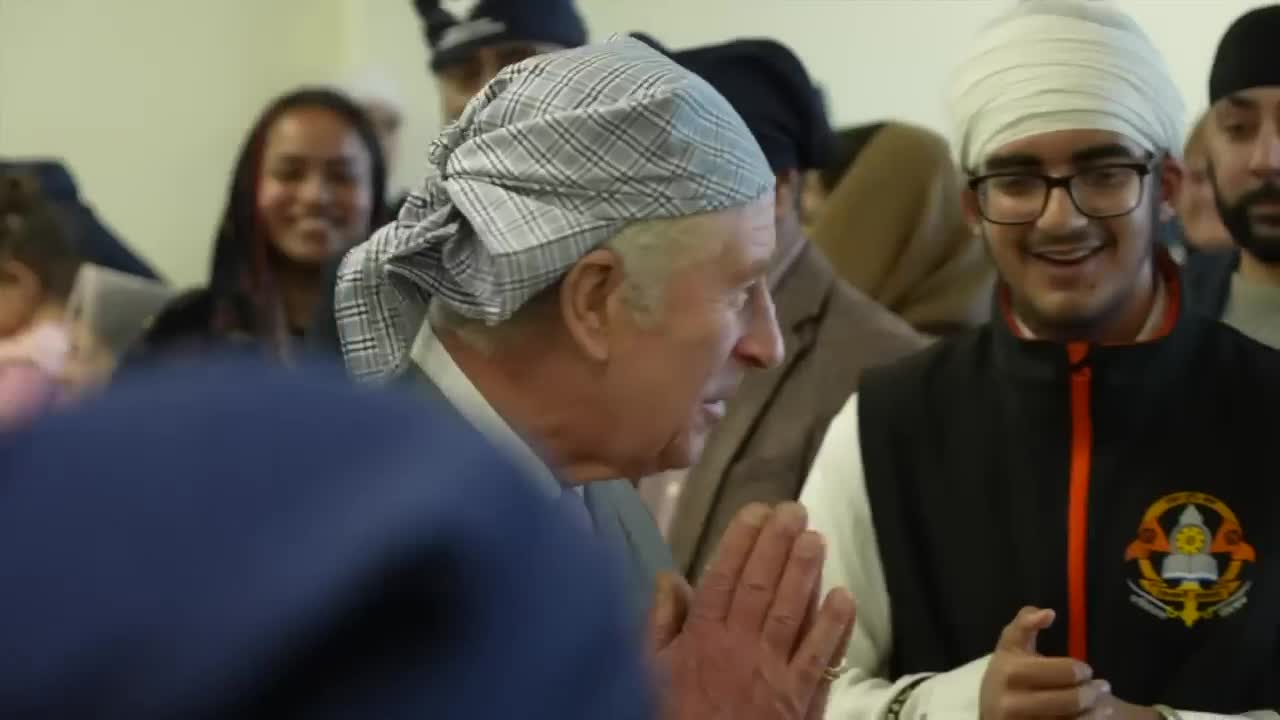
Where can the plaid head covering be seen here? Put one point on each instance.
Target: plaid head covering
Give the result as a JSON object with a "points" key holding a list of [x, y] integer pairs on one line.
{"points": [[555, 156]]}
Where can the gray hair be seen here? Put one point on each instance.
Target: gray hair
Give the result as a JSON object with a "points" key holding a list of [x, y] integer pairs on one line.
{"points": [[651, 252]]}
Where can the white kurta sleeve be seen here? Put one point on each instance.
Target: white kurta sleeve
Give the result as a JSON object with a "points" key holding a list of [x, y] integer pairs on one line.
{"points": [[1253, 715], [835, 495]]}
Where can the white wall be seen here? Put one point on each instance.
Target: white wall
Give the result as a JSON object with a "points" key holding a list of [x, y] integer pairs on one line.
{"points": [[890, 58], [875, 59], [149, 99], [387, 34]]}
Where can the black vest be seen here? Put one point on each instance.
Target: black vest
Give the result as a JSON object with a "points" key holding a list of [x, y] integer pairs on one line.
{"points": [[969, 451]]}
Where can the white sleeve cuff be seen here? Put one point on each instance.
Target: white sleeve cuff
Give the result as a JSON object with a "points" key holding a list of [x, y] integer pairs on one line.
{"points": [[952, 695], [1255, 715]]}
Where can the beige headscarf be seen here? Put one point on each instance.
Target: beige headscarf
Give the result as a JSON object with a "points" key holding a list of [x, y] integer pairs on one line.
{"points": [[894, 227]]}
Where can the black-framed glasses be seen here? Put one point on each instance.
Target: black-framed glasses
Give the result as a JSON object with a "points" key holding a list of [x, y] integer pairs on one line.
{"points": [[1020, 198]]}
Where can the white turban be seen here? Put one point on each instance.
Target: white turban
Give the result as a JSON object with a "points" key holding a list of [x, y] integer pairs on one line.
{"points": [[1051, 65]]}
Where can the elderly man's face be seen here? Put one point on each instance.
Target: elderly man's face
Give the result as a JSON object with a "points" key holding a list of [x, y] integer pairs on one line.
{"points": [[670, 379]]}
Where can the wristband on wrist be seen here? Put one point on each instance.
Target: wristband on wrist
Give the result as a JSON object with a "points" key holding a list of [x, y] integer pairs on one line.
{"points": [[899, 701]]}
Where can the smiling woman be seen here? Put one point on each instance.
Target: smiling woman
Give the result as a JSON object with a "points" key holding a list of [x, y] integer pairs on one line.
{"points": [[308, 185]]}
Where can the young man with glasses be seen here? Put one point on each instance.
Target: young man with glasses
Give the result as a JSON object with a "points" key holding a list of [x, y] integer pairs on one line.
{"points": [[1067, 512]]}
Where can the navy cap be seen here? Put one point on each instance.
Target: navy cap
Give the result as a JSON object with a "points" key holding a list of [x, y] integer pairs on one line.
{"points": [[452, 37]]}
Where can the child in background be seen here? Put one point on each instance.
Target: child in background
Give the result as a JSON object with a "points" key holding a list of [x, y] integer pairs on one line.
{"points": [[38, 265]]}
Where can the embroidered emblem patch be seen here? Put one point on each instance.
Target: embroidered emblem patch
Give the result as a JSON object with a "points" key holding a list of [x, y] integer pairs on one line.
{"points": [[1191, 559]]}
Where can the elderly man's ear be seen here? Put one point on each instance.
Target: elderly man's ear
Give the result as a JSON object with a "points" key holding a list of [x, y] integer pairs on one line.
{"points": [[592, 302]]}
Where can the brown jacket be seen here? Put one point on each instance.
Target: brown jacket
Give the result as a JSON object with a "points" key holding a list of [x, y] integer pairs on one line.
{"points": [[762, 449], [894, 227]]}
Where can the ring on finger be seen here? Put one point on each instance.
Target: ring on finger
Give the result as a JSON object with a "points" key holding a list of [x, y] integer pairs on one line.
{"points": [[833, 673]]}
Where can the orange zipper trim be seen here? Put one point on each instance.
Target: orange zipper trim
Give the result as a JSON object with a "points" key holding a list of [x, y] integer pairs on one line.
{"points": [[1082, 454], [1078, 503]]}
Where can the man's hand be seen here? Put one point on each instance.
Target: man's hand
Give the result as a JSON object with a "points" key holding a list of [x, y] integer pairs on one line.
{"points": [[752, 642], [1021, 683]]}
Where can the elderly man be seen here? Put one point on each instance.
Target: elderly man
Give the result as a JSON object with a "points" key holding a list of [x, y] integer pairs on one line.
{"points": [[584, 276], [762, 450], [470, 41], [1242, 142], [1093, 450]]}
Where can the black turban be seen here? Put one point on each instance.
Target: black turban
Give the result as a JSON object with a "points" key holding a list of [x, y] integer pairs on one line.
{"points": [[769, 87], [1247, 54]]}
